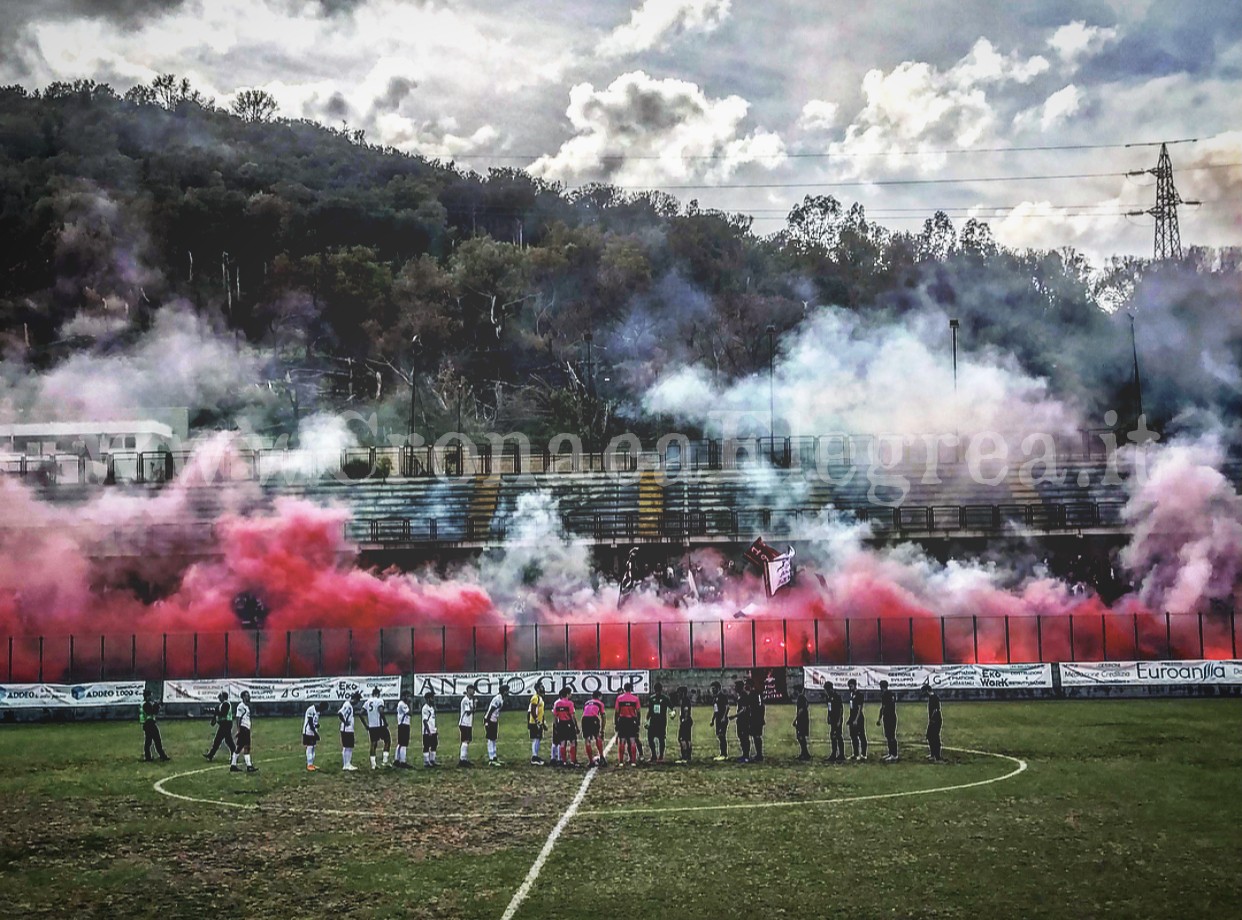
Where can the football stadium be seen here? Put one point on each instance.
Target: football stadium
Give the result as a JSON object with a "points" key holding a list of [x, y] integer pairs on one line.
{"points": [[803, 476]]}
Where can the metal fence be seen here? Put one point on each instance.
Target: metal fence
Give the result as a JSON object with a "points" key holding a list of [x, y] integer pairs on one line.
{"points": [[738, 643]]}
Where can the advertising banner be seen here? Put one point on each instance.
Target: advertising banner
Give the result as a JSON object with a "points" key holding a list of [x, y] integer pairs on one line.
{"points": [[522, 683], [281, 689], [771, 684], [940, 676], [67, 696], [1151, 673]]}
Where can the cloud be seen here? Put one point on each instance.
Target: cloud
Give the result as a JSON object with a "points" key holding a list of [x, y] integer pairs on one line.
{"points": [[1055, 110], [642, 130], [657, 22], [918, 106], [818, 116], [1077, 40], [1043, 225]]}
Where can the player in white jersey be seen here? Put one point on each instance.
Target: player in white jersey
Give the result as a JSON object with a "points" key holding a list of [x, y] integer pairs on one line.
{"points": [[431, 737], [310, 732], [403, 731], [491, 723], [241, 716], [465, 727], [346, 715], [377, 725]]}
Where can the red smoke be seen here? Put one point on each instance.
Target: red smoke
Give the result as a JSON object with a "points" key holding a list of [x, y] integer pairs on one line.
{"points": [[325, 614]]}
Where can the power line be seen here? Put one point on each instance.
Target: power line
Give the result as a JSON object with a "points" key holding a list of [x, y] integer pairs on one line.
{"points": [[855, 183], [828, 155]]}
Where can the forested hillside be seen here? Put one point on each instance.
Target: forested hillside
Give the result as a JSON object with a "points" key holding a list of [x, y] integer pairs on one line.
{"points": [[349, 268]]}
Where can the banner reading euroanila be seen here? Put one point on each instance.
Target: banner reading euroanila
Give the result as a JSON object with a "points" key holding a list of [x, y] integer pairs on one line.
{"points": [[1151, 673]]}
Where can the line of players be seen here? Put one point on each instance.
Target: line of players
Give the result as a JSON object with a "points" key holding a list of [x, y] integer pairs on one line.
{"points": [[745, 710]]}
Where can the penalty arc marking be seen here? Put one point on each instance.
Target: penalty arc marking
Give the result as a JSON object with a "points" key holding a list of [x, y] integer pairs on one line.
{"points": [[161, 786]]}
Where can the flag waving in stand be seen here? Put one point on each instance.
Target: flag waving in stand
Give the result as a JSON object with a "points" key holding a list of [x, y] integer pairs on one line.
{"points": [[777, 566], [629, 580]]}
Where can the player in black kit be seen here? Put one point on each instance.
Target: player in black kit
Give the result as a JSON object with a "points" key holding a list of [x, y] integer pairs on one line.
{"points": [[802, 722], [933, 724], [857, 721], [741, 719], [835, 717], [720, 719], [685, 729], [888, 717]]}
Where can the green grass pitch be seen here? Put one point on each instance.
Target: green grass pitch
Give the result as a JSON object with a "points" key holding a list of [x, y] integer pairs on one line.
{"points": [[1127, 809]]}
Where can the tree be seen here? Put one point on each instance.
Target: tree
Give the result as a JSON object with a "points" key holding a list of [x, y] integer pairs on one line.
{"points": [[254, 105]]}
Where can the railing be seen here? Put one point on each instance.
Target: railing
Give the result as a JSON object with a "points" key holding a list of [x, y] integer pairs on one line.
{"points": [[674, 456], [737, 643], [737, 524]]}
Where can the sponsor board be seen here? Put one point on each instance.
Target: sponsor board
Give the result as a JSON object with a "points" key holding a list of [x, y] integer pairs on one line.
{"points": [[772, 684], [67, 696], [281, 689], [940, 676], [522, 683], [1151, 673]]}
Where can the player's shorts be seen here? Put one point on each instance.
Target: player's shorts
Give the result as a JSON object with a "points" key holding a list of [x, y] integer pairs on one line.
{"points": [[722, 729], [309, 740], [802, 726], [243, 737], [379, 733], [657, 729], [536, 731], [466, 732], [627, 727], [347, 739], [431, 742], [492, 729], [590, 727], [403, 735], [685, 731]]}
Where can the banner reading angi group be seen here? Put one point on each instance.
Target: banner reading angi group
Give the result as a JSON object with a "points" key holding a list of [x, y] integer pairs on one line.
{"points": [[521, 683]]}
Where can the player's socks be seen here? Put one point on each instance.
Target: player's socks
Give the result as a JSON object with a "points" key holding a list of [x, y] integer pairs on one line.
{"points": [[385, 758], [573, 752], [310, 756], [491, 750], [372, 761], [233, 760], [465, 751], [248, 763]]}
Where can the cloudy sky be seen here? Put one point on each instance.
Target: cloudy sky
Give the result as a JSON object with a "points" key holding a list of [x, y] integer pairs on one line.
{"points": [[905, 106]]}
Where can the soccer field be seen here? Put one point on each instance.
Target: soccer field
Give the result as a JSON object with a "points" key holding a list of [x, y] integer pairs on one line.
{"points": [[1125, 809]]}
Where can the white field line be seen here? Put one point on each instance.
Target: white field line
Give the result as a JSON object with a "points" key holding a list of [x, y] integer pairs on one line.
{"points": [[739, 806], [520, 895], [162, 789]]}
